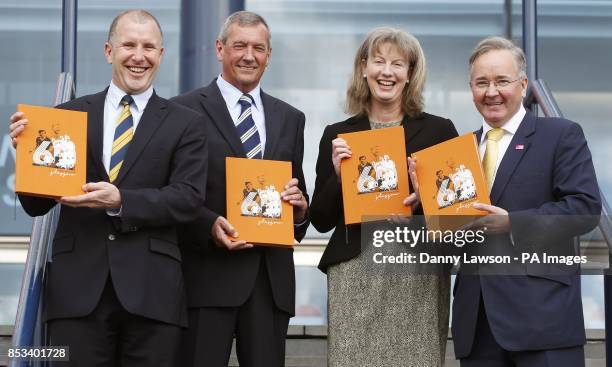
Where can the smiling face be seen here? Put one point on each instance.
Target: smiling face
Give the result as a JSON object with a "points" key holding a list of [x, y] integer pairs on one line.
{"points": [[135, 52], [386, 71], [497, 105], [244, 55]]}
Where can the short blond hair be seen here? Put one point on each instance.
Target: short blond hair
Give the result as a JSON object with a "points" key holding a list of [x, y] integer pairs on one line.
{"points": [[358, 95], [137, 15], [499, 43]]}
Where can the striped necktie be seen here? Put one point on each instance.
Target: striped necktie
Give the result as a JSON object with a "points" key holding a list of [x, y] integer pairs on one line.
{"points": [[489, 162], [124, 131], [247, 131]]}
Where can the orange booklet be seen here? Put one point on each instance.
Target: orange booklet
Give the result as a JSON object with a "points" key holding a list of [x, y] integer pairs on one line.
{"points": [[254, 204], [51, 153], [375, 178], [451, 180]]}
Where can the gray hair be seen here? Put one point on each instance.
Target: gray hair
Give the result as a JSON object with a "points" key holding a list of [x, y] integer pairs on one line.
{"points": [[137, 15], [243, 18], [500, 43]]}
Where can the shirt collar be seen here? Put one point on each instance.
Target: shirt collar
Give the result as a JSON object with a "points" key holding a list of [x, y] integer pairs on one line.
{"points": [[231, 94], [115, 94], [510, 126]]}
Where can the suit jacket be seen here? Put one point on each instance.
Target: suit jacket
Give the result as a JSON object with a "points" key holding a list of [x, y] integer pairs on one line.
{"points": [[161, 184], [541, 185], [217, 277], [327, 207]]}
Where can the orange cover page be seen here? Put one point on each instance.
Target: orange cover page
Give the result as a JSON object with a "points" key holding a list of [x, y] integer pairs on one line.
{"points": [[451, 179], [375, 178], [51, 153], [254, 204]]}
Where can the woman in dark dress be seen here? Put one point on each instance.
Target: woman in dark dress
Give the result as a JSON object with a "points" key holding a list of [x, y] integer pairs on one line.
{"points": [[379, 318]]}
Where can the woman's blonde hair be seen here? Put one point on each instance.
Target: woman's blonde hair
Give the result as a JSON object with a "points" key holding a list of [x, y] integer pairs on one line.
{"points": [[358, 94]]}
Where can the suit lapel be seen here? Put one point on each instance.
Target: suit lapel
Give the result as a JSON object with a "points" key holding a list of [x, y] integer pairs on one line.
{"points": [[95, 132], [274, 124], [214, 104], [154, 113], [478, 134], [411, 128], [513, 156], [360, 123]]}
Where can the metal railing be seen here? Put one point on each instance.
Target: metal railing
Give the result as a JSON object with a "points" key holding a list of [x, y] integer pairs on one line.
{"points": [[540, 94], [29, 328]]}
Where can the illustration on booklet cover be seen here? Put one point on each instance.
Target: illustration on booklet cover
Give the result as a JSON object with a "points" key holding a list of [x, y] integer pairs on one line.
{"points": [[56, 151], [263, 201], [377, 173], [455, 184]]}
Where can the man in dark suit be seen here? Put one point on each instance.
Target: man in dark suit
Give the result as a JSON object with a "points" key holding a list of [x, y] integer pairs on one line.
{"points": [[540, 175], [114, 292], [249, 293]]}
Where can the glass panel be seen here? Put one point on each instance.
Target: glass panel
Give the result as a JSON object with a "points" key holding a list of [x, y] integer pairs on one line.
{"points": [[311, 297], [30, 35], [10, 285], [574, 53]]}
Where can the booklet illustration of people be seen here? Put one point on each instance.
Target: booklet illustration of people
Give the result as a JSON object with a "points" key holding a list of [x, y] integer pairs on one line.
{"points": [[375, 178], [451, 180], [52, 152], [254, 204]]}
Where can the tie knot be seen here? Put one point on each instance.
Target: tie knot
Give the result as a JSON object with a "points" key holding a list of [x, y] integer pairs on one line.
{"points": [[247, 98], [126, 100], [495, 134]]}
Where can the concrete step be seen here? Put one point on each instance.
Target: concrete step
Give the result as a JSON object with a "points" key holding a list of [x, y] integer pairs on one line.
{"points": [[311, 350]]}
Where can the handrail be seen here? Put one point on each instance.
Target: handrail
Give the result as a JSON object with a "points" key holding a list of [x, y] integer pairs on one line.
{"points": [[29, 328], [542, 95]]}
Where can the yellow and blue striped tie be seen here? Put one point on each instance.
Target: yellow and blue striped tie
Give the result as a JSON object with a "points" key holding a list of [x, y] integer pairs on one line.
{"points": [[124, 131]]}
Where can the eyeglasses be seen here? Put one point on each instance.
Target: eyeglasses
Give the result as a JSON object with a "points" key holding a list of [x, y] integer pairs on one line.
{"points": [[482, 85]]}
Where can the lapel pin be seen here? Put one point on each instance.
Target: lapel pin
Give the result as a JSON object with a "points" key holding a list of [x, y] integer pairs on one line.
{"points": [[519, 147]]}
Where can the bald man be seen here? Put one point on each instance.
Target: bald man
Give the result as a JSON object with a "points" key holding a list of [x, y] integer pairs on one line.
{"points": [[114, 293]]}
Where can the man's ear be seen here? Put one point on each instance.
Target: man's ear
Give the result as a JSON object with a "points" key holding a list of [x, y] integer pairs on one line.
{"points": [[524, 84], [107, 52], [269, 56], [218, 49]]}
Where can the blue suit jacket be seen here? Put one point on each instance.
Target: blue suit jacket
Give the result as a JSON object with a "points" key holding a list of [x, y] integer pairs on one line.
{"points": [[546, 173]]}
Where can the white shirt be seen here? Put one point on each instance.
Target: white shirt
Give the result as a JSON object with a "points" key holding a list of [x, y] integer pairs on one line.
{"points": [[112, 111], [231, 95], [510, 128]]}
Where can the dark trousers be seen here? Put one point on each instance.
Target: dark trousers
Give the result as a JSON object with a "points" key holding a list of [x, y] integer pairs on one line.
{"points": [[486, 352], [110, 336], [259, 326]]}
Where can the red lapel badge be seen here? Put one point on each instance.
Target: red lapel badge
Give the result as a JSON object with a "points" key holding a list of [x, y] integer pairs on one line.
{"points": [[519, 147]]}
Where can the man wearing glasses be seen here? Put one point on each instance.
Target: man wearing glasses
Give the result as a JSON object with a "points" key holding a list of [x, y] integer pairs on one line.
{"points": [[538, 170]]}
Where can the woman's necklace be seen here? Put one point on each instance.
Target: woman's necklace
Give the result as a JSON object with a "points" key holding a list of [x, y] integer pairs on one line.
{"points": [[380, 125]]}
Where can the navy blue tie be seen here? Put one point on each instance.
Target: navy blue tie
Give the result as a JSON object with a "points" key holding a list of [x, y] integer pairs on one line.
{"points": [[247, 131]]}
